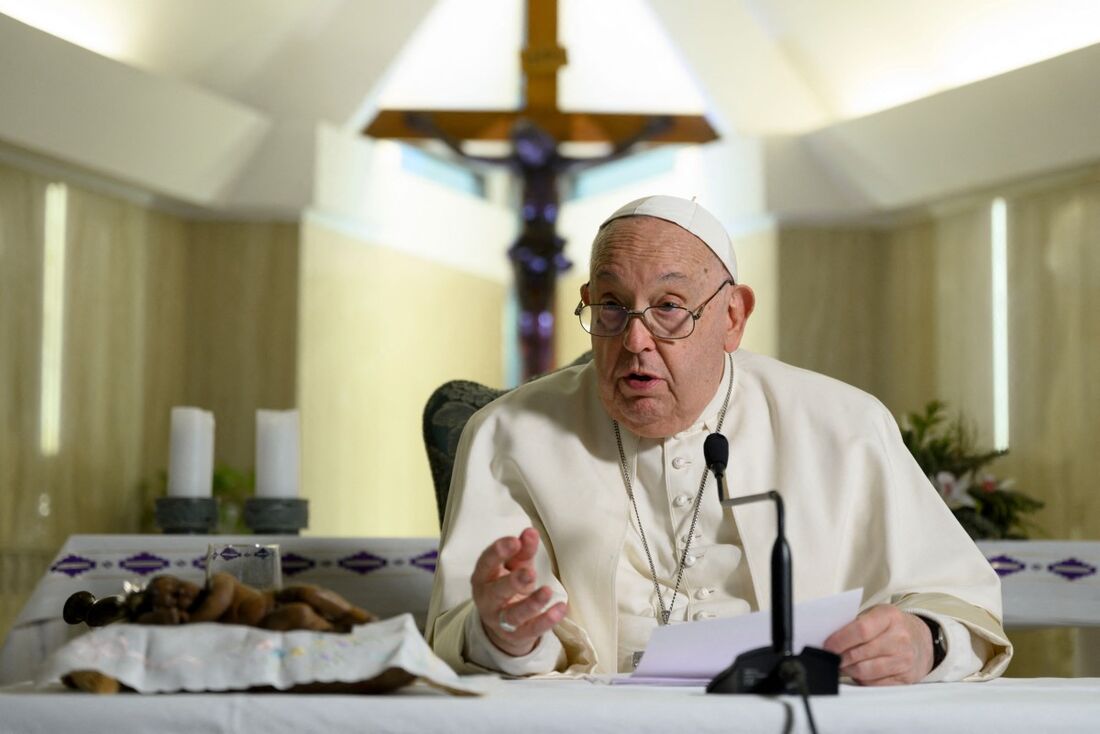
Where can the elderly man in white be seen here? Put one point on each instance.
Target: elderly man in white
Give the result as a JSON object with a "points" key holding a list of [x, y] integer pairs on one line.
{"points": [[579, 516]]}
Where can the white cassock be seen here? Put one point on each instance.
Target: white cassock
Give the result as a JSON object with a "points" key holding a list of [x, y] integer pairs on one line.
{"points": [[859, 513]]}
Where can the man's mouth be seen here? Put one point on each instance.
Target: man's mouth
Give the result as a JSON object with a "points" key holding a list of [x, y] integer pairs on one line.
{"points": [[641, 380]]}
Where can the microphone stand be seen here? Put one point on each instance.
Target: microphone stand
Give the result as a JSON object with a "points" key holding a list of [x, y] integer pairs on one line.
{"points": [[776, 669]]}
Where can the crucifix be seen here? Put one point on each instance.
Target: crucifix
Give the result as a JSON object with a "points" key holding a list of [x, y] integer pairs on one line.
{"points": [[535, 131]]}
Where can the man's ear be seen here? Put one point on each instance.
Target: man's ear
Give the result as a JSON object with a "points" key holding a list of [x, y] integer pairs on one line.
{"points": [[584, 295], [741, 303]]}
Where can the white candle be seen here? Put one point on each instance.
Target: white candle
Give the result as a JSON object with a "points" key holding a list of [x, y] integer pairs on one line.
{"points": [[191, 461], [277, 454]]}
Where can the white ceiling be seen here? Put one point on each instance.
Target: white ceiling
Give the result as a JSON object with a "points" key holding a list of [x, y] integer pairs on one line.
{"points": [[761, 66], [828, 109], [862, 56]]}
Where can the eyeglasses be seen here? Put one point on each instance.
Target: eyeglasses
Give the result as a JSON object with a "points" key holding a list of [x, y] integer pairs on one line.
{"points": [[665, 321]]}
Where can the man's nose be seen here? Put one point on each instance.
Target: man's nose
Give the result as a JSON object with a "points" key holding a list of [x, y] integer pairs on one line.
{"points": [[637, 338]]}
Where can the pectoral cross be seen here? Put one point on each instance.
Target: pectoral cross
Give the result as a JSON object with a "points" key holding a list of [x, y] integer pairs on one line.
{"points": [[535, 131]]}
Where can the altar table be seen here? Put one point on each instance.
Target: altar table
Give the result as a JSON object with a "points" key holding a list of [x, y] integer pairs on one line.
{"points": [[1045, 583], [1006, 706]]}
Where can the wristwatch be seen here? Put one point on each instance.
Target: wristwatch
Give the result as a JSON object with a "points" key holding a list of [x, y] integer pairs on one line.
{"points": [[939, 641]]}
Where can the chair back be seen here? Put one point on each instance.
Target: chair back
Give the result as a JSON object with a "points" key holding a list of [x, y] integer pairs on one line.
{"points": [[445, 415]]}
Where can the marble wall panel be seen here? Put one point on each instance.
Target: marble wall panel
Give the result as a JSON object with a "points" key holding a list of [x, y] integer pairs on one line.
{"points": [[830, 302], [22, 558], [1054, 343], [907, 348], [21, 226], [963, 316], [242, 327], [117, 369], [379, 331]]}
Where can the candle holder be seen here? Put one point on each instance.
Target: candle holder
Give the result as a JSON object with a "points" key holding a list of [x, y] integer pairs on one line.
{"points": [[187, 515], [276, 515]]}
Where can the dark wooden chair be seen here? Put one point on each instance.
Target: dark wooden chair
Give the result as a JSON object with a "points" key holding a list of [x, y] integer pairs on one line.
{"points": [[445, 415]]}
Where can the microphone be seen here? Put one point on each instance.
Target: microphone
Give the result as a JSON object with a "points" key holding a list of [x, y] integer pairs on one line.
{"points": [[777, 669], [716, 451]]}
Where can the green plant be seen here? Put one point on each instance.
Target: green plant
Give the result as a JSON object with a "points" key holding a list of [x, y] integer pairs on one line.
{"points": [[231, 487], [986, 507]]}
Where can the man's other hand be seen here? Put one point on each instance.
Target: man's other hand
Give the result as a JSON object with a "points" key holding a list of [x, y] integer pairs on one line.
{"points": [[506, 597], [883, 646]]}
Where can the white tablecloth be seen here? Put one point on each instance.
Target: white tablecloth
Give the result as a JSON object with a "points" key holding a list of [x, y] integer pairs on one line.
{"points": [[1005, 706], [387, 576]]}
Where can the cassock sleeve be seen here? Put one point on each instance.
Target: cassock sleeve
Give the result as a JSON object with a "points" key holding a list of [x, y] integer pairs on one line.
{"points": [[482, 506], [924, 562]]}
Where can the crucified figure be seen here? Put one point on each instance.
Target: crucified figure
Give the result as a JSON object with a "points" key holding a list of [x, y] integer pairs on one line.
{"points": [[538, 254]]}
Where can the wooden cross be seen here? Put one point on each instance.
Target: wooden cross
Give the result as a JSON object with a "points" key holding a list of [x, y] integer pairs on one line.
{"points": [[535, 131]]}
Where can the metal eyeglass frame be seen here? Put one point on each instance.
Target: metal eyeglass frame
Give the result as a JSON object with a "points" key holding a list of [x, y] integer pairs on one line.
{"points": [[695, 314]]}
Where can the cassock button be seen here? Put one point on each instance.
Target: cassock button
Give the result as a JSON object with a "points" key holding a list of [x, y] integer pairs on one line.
{"points": [[681, 500], [689, 561], [704, 615], [680, 462], [702, 593]]}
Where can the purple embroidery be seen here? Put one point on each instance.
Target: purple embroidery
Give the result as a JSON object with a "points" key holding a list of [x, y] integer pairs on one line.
{"points": [[294, 563], [426, 561], [199, 563], [1072, 569], [73, 565], [144, 563], [229, 553], [363, 562], [1006, 565]]}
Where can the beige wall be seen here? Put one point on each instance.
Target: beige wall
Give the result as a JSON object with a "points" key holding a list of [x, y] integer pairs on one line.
{"points": [[379, 331], [758, 268], [570, 340], [157, 312]]}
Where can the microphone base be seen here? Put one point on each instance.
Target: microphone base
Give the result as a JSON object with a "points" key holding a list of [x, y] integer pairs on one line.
{"points": [[764, 671]]}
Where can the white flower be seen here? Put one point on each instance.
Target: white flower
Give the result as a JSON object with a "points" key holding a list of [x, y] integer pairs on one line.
{"points": [[953, 489]]}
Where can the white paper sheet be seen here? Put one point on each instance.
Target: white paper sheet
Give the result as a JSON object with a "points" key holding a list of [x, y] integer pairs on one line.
{"points": [[693, 653]]}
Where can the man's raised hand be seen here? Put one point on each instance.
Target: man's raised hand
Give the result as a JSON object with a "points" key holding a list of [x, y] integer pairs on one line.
{"points": [[506, 597]]}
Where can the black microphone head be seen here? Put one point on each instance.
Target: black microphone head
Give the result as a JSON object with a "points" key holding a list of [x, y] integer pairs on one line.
{"points": [[716, 451]]}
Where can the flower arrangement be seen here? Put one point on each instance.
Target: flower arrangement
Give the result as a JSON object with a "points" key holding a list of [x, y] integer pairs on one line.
{"points": [[986, 507]]}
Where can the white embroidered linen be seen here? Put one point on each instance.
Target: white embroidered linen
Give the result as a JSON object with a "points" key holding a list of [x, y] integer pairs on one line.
{"points": [[227, 657]]}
